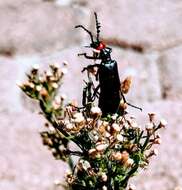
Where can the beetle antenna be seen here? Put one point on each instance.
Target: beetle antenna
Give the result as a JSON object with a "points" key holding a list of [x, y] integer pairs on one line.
{"points": [[98, 26], [90, 33]]}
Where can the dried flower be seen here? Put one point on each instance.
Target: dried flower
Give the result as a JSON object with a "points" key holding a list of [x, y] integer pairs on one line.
{"points": [[49, 73], [115, 128], [55, 85], [122, 105], [104, 188], [124, 157], [69, 126], [43, 93], [38, 88], [19, 84], [104, 177], [84, 164], [151, 116], [129, 162], [92, 152], [101, 147], [57, 100], [120, 137], [70, 179], [158, 136], [149, 126], [55, 105], [96, 111], [157, 141], [132, 187], [134, 124], [107, 134], [116, 156], [78, 118], [153, 152], [35, 66], [126, 84], [163, 123], [102, 129], [55, 65], [113, 142], [114, 116]]}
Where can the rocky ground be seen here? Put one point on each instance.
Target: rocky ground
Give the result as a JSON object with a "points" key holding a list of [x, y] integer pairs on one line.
{"points": [[42, 31]]}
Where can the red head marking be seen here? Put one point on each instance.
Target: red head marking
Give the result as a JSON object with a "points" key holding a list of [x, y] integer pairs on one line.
{"points": [[101, 46]]}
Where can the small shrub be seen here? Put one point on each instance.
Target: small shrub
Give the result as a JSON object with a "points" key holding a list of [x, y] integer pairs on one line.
{"points": [[110, 149]]}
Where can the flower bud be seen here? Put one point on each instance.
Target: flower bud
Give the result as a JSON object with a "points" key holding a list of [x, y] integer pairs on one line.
{"points": [[78, 117], [19, 84], [116, 156], [84, 164], [49, 74], [149, 126], [55, 85], [43, 93], [134, 124], [69, 126], [163, 123], [153, 153], [101, 147], [36, 66], [132, 187], [92, 152], [124, 157], [157, 141], [114, 117], [56, 65], [151, 116], [102, 129], [104, 177], [107, 134], [115, 128], [119, 137], [104, 188], [96, 111], [38, 88], [122, 105], [129, 162]]}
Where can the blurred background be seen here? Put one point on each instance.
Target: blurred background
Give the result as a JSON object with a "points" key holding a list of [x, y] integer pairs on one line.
{"points": [[42, 32]]}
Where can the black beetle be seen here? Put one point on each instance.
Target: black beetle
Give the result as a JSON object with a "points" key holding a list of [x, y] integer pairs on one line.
{"points": [[107, 74]]}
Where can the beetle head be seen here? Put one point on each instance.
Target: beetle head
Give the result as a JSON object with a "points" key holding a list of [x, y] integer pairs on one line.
{"points": [[96, 44]]}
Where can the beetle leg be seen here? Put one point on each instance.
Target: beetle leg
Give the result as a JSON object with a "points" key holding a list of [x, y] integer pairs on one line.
{"points": [[84, 96], [90, 67], [134, 106], [87, 56], [95, 94], [124, 99]]}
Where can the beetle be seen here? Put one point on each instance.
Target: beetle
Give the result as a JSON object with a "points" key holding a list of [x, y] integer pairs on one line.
{"points": [[107, 74]]}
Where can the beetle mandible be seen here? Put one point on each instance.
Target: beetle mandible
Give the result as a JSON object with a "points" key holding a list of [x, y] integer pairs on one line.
{"points": [[109, 83]]}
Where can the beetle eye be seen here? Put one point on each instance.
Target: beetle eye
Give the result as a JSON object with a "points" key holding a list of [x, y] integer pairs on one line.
{"points": [[101, 46]]}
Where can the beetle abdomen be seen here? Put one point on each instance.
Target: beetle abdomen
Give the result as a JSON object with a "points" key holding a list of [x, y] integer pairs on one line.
{"points": [[109, 87]]}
